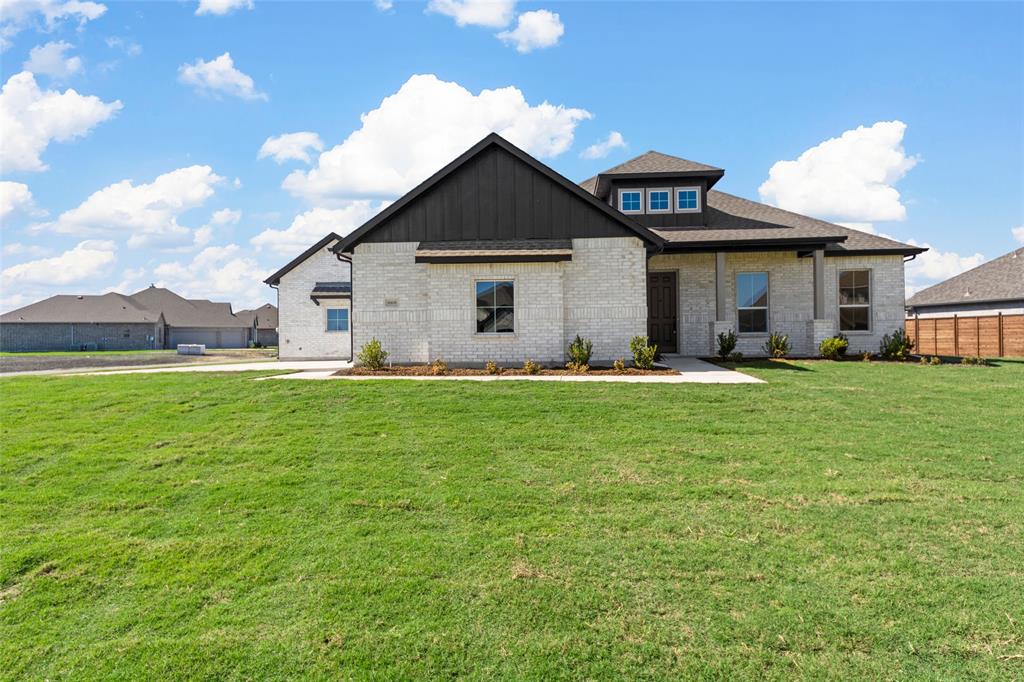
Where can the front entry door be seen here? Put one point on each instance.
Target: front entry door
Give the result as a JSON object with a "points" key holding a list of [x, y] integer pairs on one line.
{"points": [[662, 306]]}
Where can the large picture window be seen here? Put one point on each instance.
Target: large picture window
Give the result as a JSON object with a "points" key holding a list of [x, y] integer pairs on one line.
{"points": [[495, 306], [855, 300], [752, 302], [337, 319]]}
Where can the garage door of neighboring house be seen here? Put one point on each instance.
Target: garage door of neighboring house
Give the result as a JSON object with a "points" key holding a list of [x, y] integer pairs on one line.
{"points": [[212, 338]]}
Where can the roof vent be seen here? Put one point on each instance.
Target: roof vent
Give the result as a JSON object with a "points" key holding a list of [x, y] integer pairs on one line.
{"points": [[79, 297]]}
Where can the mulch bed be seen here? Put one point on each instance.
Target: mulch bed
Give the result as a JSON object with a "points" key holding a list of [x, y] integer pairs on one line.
{"points": [[425, 370]]}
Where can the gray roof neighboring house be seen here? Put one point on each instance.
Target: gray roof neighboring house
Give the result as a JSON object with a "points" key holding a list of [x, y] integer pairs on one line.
{"points": [[65, 308], [264, 317], [1001, 279], [183, 312]]}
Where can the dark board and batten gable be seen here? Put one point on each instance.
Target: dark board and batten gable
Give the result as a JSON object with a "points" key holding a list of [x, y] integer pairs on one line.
{"points": [[496, 192]]}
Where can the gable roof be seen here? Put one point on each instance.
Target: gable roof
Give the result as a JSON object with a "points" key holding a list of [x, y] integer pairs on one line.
{"points": [[495, 140], [182, 312], [275, 278], [264, 317], [1001, 279], [111, 308]]}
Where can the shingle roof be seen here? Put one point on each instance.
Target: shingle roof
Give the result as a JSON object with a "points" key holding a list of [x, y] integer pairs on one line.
{"points": [[112, 308], [332, 288], [1001, 279], [265, 316], [182, 312], [656, 162]]}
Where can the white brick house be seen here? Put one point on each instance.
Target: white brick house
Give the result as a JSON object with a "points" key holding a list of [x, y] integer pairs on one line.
{"points": [[497, 257]]}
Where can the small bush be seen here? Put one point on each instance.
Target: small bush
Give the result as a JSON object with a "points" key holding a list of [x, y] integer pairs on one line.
{"points": [[372, 355], [580, 350], [896, 346], [833, 348], [846, 343], [531, 367], [577, 367], [973, 360], [619, 365], [777, 346], [438, 367], [643, 351], [936, 360], [866, 356], [736, 357], [492, 367], [726, 343]]}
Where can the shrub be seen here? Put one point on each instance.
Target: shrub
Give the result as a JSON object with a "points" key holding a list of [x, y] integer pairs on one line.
{"points": [[736, 357], [643, 351], [531, 367], [833, 347], [973, 360], [438, 367], [846, 343], [896, 346], [492, 367], [936, 360], [619, 365], [726, 343], [577, 367], [580, 350], [777, 345], [866, 356], [372, 355]]}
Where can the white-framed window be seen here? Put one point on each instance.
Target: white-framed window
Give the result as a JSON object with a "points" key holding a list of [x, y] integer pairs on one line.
{"points": [[855, 300], [752, 302], [687, 199], [659, 200], [631, 200], [337, 319], [495, 306]]}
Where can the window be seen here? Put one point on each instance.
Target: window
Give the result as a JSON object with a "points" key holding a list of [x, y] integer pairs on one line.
{"points": [[631, 200], [752, 302], [127, 333], [495, 307], [855, 300], [687, 199], [658, 201], [337, 319]]}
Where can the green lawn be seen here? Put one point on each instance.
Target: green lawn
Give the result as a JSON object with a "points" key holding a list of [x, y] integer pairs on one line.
{"points": [[844, 520]]}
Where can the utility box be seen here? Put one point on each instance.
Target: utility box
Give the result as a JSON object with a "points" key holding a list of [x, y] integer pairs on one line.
{"points": [[191, 349]]}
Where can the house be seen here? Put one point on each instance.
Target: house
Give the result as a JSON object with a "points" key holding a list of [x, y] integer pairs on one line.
{"points": [[498, 257], [262, 323], [66, 322], [149, 319]]}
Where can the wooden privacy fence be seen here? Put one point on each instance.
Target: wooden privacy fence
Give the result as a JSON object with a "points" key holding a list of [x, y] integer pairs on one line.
{"points": [[989, 336]]}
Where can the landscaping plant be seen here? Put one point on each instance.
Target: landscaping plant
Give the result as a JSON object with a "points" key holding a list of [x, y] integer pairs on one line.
{"points": [[896, 346], [580, 350], [492, 367], [777, 345], [726, 343], [833, 347], [619, 365], [438, 367], [531, 367], [372, 355], [643, 351]]}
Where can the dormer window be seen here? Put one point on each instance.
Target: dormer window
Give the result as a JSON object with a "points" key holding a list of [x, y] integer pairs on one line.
{"points": [[658, 200], [687, 199], [631, 200]]}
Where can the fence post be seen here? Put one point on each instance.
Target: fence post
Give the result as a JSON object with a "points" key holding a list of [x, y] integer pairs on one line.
{"points": [[956, 334], [917, 331], [977, 331], [1000, 333]]}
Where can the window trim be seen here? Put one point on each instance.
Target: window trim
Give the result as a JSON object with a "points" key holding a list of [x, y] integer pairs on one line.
{"points": [[643, 200], [675, 199], [767, 307], [870, 305], [514, 306], [659, 189], [327, 323]]}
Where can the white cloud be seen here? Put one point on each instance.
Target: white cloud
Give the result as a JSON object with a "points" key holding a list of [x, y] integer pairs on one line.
{"points": [[32, 118], [31, 250], [87, 260], [219, 273], [17, 15], [291, 146], [49, 59], [601, 149], [129, 47], [423, 126], [383, 5], [205, 234], [849, 177], [226, 216], [222, 7], [147, 212], [489, 13], [218, 77], [1018, 233], [14, 196], [131, 280], [313, 225], [934, 266], [534, 31]]}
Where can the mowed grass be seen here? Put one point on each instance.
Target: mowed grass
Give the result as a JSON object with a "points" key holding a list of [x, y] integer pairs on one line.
{"points": [[844, 520]]}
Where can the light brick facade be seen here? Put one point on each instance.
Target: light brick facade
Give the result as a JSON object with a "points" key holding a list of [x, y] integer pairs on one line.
{"points": [[302, 324]]}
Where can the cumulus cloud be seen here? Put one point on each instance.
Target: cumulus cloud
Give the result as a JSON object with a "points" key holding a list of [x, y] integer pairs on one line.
{"points": [[17, 15], [849, 177], [222, 218], [599, 150], [313, 225], [219, 273], [423, 126], [129, 47], [489, 13], [1018, 233], [31, 250], [89, 259], [49, 59], [222, 7], [32, 118], [383, 5], [934, 266], [15, 197], [534, 31], [147, 212], [219, 77], [291, 146]]}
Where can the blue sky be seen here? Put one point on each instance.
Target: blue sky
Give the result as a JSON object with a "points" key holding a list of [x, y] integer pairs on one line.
{"points": [[741, 86]]}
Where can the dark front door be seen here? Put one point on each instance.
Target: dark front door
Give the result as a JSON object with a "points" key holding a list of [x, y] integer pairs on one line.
{"points": [[662, 304]]}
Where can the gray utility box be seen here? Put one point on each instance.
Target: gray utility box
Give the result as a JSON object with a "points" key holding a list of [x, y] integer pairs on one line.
{"points": [[191, 349]]}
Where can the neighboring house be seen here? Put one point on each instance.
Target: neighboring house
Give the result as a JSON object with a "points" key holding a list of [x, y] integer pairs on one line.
{"points": [[59, 323], [498, 257], [195, 320], [262, 323], [989, 289]]}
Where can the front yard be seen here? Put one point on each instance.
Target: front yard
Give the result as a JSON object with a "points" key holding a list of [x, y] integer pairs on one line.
{"points": [[842, 520]]}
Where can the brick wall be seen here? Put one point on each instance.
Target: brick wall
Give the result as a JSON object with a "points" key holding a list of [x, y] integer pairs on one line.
{"points": [[302, 324], [21, 337]]}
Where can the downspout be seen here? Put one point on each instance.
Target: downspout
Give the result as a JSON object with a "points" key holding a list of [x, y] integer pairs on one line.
{"points": [[276, 288], [351, 306]]}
